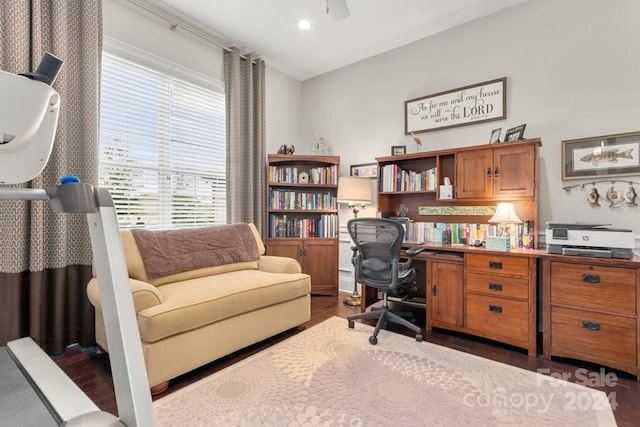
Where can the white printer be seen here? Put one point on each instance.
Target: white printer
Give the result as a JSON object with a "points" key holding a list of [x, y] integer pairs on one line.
{"points": [[589, 240]]}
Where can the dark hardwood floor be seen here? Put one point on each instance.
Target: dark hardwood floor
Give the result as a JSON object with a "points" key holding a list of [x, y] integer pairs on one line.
{"points": [[90, 369]]}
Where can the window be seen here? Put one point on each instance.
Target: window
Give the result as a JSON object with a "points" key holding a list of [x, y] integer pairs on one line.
{"points": [[162, 143]]}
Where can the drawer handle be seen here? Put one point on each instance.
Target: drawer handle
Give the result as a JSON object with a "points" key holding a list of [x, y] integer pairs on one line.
{"points": [[495, 286], [495, 309], [495, 265], [594, 326], [591, 278]]}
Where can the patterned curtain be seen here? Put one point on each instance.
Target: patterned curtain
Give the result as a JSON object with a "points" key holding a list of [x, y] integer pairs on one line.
{"points": [[45, 258], [246, 147]]}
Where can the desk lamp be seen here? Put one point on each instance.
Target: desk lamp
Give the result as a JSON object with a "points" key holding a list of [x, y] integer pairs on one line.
{"points": [[505, 215], [354, 192]]}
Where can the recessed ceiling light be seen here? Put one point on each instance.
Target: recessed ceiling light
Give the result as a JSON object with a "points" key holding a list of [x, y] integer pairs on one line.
{"points": [[303, 24]]}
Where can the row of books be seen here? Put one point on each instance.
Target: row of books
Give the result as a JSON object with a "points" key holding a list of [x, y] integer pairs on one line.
{"points": [[327, 175], [394, 178], [288, 199], [325, 226], [444, 233]]}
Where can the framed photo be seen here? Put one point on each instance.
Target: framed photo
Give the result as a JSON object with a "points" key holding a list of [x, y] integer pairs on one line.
{"points": [[365, 170], [515, 133], [601, 156], [495, 136], [398, 150]]}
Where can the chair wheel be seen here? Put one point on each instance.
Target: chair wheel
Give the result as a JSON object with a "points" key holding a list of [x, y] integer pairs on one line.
{"points": [[351, 324], [373, 340], [418, 337]]}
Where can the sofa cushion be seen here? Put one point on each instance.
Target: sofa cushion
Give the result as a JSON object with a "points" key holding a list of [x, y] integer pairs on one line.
{"points": [[135, 265], [210, 299], [167, 252]]}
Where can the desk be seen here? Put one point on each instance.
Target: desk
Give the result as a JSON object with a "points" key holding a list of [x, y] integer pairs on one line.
{"points": [[591, 310], [478, 291]]}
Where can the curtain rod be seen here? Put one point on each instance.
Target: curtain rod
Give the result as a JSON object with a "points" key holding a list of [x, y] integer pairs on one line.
{"points": [[176, 23]]}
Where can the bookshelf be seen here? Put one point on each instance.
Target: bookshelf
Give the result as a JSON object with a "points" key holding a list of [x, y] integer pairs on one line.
{"points": [[303, 215]]}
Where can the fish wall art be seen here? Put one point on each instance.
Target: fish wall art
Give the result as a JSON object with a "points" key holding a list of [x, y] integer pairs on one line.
{"points": [[602, 155]]}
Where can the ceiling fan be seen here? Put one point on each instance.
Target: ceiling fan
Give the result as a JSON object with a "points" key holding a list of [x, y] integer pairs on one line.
{"points": [[337, 9]]}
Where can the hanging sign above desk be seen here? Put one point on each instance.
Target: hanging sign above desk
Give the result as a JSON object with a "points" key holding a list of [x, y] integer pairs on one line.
{"points": [[456, 210], [478, 103]]}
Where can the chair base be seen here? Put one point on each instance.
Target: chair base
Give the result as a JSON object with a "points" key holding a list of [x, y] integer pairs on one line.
{"points": [[383, 314]]}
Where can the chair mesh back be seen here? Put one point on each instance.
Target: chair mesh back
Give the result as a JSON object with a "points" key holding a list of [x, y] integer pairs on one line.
{"points": [[378, 241]]}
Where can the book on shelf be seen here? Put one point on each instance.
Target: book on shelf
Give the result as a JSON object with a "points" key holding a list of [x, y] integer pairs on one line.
{"points": [[395, 179], [327, 175], [325, 226]]}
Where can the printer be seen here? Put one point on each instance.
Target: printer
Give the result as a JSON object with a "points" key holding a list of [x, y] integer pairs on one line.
{"points": [[589, 240]]}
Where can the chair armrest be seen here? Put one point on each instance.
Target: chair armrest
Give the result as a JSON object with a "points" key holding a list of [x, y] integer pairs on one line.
{"points": [[411, 252], [144, 294], [279, 264]]}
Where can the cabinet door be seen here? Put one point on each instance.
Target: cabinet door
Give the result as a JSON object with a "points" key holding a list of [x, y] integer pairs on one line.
{"points": [[447, 292], [513, 171], [321, 263], [474, 174], [290, 248]]}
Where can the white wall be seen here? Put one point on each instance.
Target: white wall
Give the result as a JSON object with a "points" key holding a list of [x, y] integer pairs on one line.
{"points": [[572, 69], [129, 24]]}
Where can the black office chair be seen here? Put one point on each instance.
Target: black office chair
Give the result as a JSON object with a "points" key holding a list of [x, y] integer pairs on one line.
{"points": [[376, 261]]}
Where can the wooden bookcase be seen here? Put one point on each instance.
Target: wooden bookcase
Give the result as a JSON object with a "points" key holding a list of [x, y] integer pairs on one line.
{"points": [[303, 215], [481, 175]]}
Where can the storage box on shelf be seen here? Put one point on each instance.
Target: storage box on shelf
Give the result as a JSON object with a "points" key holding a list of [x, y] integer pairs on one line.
{"points": [[303, 215]]}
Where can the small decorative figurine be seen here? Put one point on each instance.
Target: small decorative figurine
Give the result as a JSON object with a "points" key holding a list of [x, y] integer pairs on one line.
{"points": [[613, 196], [417, 140], [286, 149], [402, 210], [630, 196], [593, 196]]}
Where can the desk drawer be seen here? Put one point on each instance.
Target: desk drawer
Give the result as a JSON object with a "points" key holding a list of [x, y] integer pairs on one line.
{"points": [[498, 264], [594, 287], [498, 316], [594, 334], [503, 286]]}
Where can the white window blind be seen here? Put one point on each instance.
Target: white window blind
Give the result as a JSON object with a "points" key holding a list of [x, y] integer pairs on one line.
{"points": [[162, 146]]}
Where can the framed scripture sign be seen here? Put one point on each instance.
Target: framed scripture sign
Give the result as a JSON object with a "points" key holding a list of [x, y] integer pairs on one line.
{"points": [[601, 156], [478, 103]]}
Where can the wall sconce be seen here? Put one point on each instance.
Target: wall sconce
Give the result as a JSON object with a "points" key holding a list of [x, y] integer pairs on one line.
{"points": [[354, 192]]}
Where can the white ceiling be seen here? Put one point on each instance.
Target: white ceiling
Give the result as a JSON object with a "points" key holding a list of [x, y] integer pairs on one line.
{"points": [[269, 27]]}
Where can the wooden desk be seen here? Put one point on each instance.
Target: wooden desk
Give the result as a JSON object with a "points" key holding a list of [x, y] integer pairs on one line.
{"points": [[478, 291], [591, 308]]}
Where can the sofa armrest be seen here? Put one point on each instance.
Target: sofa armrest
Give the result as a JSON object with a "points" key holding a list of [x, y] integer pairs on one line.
{"points": [[278, 264], [144, 294]]}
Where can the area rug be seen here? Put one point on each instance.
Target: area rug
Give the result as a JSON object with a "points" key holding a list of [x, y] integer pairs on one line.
{"points": [[331, 375]]}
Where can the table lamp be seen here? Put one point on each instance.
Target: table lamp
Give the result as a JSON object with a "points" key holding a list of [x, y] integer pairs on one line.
{"points": [[354, 192], [505, 215]]}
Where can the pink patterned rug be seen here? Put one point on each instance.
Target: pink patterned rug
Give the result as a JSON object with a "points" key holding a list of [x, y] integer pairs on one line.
{"points": [[331, 375]]}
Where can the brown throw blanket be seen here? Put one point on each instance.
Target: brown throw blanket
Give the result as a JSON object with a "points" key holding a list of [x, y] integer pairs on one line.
{"points": [[166, 252]]}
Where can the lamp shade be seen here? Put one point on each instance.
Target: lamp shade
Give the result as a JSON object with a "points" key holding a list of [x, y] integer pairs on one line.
{"points": [[505, 213], [354, 191]]}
